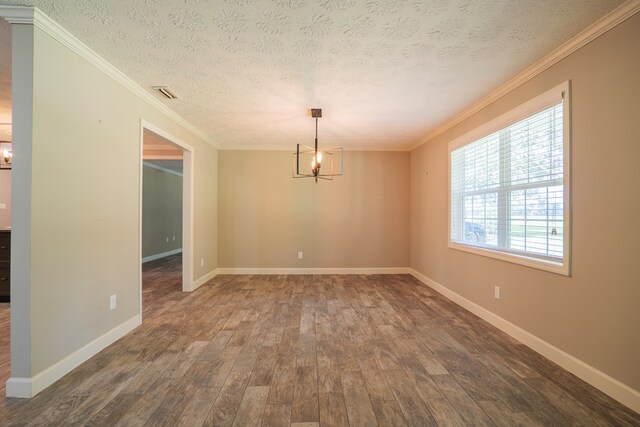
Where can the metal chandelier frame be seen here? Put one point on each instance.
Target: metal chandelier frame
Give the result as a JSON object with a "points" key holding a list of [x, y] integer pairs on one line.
{"points": [[318, 166]]}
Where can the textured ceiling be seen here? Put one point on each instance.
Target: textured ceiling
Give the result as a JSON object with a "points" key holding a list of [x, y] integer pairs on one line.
{"points": [[385, 72], [156, 147]]}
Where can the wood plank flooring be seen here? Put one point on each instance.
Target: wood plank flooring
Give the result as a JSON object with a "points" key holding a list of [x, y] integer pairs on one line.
{"points": [[312, 351], [5, 355]]}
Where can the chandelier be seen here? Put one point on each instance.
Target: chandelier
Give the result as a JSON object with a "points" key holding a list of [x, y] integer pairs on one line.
{"points": [[312, 163], [6, 155]]}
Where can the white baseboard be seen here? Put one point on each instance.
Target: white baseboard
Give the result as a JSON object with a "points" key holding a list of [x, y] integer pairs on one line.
{"points": [[204, 279], [614, 388], [161, 255], [29, 387], [210, 275], [373, 270]]}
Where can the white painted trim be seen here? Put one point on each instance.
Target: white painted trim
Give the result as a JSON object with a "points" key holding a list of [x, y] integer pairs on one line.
{"points": [[140, 194], [18, 14], [22, 86], [161, 255], [33, 15], [605, 383], [18, 387], [29, 387], [255, 147], [373, 270], [160, 168], [204, 279], [543, 101], [595, 30], [265, 271], [559, 93], [503, 255]]}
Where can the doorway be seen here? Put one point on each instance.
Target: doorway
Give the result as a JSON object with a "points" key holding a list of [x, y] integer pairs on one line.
{"points": [[166, 204]]}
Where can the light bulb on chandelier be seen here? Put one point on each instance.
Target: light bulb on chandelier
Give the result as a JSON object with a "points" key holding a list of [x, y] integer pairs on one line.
{"points": [[313, 157], [6, 155]]}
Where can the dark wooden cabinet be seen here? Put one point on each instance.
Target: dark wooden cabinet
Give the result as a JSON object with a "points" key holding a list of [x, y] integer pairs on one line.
{"points": [[5, 262]]}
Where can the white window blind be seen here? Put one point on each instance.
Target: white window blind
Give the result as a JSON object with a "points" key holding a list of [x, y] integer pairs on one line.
{"points": [[508, 188]]}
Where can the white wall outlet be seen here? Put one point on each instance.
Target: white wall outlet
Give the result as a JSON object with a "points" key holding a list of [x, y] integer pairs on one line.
{"points": [[201, 262], [112, 302], [300, 255], [174, 238], [496, 292], [167, 239]]}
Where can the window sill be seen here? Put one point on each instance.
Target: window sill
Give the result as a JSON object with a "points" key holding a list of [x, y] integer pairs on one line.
{"points": [[561, 268]]}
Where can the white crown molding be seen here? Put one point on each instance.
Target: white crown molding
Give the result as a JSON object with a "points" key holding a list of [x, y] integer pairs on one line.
{"points": [[32, 15], [595, 30], [605, 383], [18, 14], [160, 168], [292, 149]]}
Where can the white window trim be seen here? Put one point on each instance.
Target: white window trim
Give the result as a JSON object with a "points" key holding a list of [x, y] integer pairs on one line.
{"points": [[539, 103]]}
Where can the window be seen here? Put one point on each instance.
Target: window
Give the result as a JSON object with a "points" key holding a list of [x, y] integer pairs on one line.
{"points": [[509, 185]]}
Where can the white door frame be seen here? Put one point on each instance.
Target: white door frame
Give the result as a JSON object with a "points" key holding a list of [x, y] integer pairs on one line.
{"points": [[187, 204]]}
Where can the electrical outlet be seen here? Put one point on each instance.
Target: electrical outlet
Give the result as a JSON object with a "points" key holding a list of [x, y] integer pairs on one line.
{"points": [[167, 239], [174, 238], [300, 254], [201, 262], [113, 303], [496, 292]]}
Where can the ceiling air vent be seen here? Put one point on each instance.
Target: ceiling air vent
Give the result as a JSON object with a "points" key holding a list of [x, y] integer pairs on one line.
{"points": [[166, 92]]}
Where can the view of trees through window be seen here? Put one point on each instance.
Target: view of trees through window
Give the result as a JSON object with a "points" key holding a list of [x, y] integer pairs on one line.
{"points": [[507, 188]]}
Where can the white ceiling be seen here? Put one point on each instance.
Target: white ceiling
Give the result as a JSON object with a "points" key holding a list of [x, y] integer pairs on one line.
{"points": [[385, 72], [158, 148]]}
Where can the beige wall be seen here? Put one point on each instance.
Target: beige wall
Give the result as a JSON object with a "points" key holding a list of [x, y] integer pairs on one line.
{"points": [[358, 220], [205, 213], [594, 314], [5, 197], [161, 211], [81, 243]]}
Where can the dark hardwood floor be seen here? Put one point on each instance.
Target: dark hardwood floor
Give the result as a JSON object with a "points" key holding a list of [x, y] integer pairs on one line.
{"points": [[4, 345], [313, 350]]}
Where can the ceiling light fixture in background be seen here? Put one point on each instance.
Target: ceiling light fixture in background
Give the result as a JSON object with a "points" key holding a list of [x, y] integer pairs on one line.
{"points": [[6, 155], [308, 162]]}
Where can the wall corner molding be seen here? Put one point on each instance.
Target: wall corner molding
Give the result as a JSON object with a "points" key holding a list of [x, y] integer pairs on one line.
{"points": [[600, 380], [33, 15], [29, 387], [204, 279], [592, 32], [18, 14]]}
